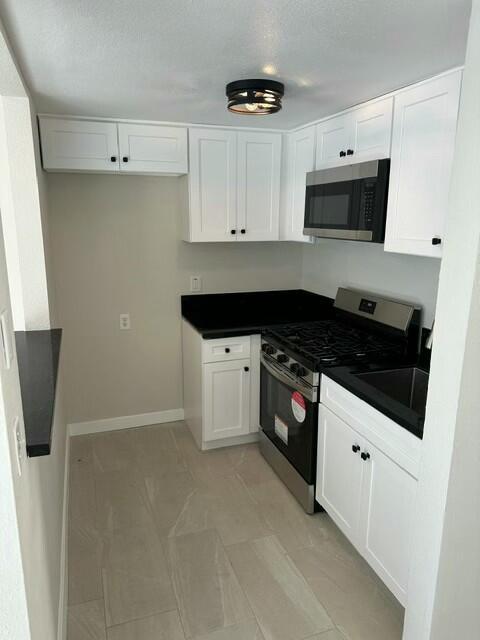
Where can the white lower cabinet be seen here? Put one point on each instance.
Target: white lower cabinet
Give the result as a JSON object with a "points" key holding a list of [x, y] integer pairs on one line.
{"points": [[221, 388], [363, 484], [226, 389]]}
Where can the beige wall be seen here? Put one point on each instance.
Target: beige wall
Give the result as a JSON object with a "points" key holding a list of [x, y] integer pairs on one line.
{"points": [[116, 248], [329, 265]]}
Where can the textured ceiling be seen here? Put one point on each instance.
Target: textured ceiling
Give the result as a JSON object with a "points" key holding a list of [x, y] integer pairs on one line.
{"points": [[171, 59]]}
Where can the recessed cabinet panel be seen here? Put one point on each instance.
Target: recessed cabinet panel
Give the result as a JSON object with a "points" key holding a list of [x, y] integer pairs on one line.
{"points": [[152, 149], [258, 190], [372, 129], [226, 405], [300, 160], [340, 469], [423, 141], [212, 185], [79, 145], [387, 510], [333, 137]]}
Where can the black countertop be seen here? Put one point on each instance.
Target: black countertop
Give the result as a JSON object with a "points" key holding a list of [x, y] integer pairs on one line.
{"points": [[398, 412], [219, 315], [38, 354]]}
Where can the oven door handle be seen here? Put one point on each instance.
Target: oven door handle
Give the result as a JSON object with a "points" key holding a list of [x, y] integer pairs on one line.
{"points": [[309, 392]]}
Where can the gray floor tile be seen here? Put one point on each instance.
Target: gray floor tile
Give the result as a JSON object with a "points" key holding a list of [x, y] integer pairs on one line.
{"points": [[164, 626], [121, 500], [208, 594], [284, 604], [136, 582], [243, 631], [156, 451], [113, 451], [84, 564], [86, 621]]}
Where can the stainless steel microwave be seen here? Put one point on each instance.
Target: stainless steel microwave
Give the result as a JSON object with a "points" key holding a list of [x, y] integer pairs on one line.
{"points": [[349, 202]]}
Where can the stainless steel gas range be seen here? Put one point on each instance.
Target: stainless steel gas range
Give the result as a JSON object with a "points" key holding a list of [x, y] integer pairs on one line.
{"points": [[362, 328]]}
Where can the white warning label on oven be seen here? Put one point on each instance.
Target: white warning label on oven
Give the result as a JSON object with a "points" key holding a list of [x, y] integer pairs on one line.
{"points": [[299, 408], [281, 429]]}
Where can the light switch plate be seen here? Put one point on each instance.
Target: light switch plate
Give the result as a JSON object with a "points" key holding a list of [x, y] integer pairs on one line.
{"points": [[19, 441]]}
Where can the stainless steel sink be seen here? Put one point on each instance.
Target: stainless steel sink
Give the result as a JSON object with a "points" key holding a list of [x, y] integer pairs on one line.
{"points": [[408, 385]]}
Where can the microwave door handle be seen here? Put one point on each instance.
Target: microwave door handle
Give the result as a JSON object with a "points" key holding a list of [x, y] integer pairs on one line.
{"points": [[306, 390]]}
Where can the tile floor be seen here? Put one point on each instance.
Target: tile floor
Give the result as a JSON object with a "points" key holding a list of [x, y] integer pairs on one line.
{"points": [[168, 543]]}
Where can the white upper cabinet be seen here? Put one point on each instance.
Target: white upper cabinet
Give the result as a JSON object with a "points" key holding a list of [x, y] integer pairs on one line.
{"points": [[371, 131], [423, 141], [212, 214], [152, 149], [333, 139], [299, 160], [97, 146], [234, 186], [258, 185], [79, 145], [355, 136]]}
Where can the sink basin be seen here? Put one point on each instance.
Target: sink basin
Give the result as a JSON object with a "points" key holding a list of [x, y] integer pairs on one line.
{"points": [[408, 385]]}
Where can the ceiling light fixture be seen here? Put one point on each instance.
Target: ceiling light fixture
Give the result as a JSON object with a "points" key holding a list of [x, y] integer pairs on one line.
{"points": [[254, 97]]}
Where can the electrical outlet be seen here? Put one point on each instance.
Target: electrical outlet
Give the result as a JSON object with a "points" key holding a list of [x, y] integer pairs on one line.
{"points": [[195, 284], [124, 321], [20, 445]]}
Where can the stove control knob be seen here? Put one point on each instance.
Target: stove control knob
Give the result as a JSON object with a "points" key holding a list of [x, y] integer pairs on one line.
{"points": [[268, 349], [297, 369], [282, 358]]}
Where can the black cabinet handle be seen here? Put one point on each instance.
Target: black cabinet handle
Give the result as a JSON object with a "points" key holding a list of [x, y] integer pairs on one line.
{"points": [[233, 232], [342, 154], [227, 349], [355, 448], [365, 455], [436, 241], [246, 369], [350, 152], [125, 158], [242, 231], [113, 158]]}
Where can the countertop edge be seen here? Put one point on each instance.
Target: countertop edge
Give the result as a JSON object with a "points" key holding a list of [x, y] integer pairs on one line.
{"points": [[38, 357]]}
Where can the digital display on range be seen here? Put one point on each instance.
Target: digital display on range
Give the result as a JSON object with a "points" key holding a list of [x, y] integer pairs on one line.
{"points": [[367, 306]]}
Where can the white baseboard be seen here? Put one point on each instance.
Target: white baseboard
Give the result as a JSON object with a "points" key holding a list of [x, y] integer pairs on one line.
{"points": [[125, 422], [63, 597]]}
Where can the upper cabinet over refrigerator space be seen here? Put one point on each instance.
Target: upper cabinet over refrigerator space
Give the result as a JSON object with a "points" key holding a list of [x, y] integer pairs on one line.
{"points": [[424, 129], [110, 147]]}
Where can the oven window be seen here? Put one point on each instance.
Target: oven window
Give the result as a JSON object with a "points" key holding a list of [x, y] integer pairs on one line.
{"points": [[290, 422], [330, 206]]}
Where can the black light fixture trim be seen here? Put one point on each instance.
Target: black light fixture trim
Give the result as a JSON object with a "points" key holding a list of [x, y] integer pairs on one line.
{"points": [[254, 97]]}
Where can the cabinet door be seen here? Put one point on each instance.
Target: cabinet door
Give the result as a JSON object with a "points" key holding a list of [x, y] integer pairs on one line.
{"points": [[333, 139], [152, 149], [212, 185], [79, 145], [226, 399], [258, 185], [423, 140], [339, 472], [388, 505], [300, 159], [371, 131]]}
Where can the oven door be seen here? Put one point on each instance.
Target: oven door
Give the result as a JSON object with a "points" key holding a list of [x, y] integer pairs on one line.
{"points": [[289, 417]]}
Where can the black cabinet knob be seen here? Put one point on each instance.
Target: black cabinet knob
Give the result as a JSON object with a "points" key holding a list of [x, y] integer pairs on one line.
{"points": [[125, 158], [247, 369], [233, 232], [365, 455], [342, 154], [355, 448], [113, 158], [227, 349], [350, 152], [436, 241], [242, 231]]}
